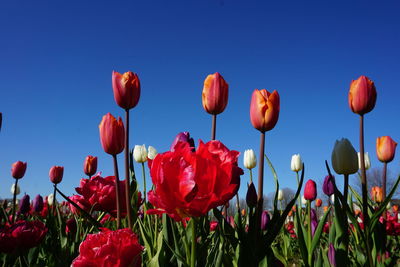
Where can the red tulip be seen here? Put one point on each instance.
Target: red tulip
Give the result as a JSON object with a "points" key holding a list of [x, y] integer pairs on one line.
{"points": [[81, 202], [190, 183], [318, 202], [56, 174], [385, 148], [90, 165], [71, 227], [18, 169], [310, 190], [264, 109], [108, 248], [362, 95], [126, 89], [215, 94], [213, 226], [112, 134]]}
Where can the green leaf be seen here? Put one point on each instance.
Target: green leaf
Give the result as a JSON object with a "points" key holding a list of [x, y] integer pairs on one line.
{"points": [[318, 231], [301, 240]]}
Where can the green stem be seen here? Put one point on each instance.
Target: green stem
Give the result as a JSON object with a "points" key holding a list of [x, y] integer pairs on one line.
{"points": [[117, 191], [54, 198], [194, 240], [251, 176], [14, 200], [346, 188], [144, 184], [213, 126], [309, 233], [127, 174], [298, 184]]}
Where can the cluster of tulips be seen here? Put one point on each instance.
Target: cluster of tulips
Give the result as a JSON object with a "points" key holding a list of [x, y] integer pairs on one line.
{"points": [[184, 219]]}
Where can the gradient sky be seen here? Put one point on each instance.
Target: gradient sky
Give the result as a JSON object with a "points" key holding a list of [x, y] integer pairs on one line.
{"points": [[56, 59]]}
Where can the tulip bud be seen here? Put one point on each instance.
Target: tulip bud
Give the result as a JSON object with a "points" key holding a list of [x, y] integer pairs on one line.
{"points": [[25, 205], [182, 137], [215, 94], [367, 161], [331, 255], [265, 219], [296, 165], [18, 169], [50, 199], [332, 198], [362, 95], [310, 190], [264, 109], [303, 200], [152, 152], [126, 88], [249, 159], [385, 148], [71, 227], [325, 208], [377, 194], [329, 185], [344, 157], [140, 153], [90, 165], [112, 134], [38, 204], [280, 195], [13, 189], [251, 196], [56, 174], [318, 202]]}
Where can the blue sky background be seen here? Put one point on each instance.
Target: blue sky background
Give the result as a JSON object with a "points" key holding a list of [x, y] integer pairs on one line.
{"points": [[56, 59]]}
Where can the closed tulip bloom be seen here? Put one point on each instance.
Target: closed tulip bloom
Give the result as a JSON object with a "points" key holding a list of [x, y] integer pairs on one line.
{"points": [[332, 199], [264, 109], [280, 195], [140, 153], [395, 208], [318, 202], [367, 161], [152, 152], [362, 95], [296, 164], [325, 208], [18, 169], [50, 199], [329, 185], [215, 94], [71, 227], [25, 205], [385, 148], [13, 189], [331, 255], [90, 165], [112, 134], [303, 200], [56, 174], [344, 157], [377, 194], [38, 203], [251, 196], [126, 88], [310, 190], [249, 159], [265, 219]]}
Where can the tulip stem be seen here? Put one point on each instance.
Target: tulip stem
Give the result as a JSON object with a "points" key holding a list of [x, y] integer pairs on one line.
{"points": [[213, 126], [298, 184], [309, 233], [127, 174], [384, 186], [260, 188], [14, 200], [117, 191], [54, 198], [346, 188], [193, 251], [251, 176], [144, 184]]}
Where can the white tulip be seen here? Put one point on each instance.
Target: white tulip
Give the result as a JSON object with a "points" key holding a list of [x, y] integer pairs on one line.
{"points": [[388, 206], [50, 199], [13, 189], [249, 159], [140, 153], [296, 163], [344, 157], [303, 200], [367, 161], [152, 152], [280, 195], [333, 199]]}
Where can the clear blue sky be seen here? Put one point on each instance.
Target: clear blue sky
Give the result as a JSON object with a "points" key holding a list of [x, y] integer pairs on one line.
{"points": [[56, 59]]}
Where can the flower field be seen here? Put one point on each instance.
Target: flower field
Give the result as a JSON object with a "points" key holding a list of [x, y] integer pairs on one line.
{"points": [[183, 217]]}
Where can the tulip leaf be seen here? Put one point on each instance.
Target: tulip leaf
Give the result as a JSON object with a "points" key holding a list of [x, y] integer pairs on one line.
{"points": [[318, 231], [146, 238], [276, 184], [301, 240]]}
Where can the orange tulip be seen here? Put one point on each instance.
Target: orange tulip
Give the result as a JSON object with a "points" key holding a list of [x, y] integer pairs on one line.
{"points": [[90, 165], [112, 134], [318, 202], [243, 212], [126, 88], [385, 148], [377, 194], [395, 208], [215, 94], [362, 95], [264, 109], [325, 208]]}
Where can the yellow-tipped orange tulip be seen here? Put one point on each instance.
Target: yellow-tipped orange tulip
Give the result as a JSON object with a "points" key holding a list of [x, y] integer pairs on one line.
{"points": [[377, 194], [318, 202], [126, 88], [362, 95], [385, 148], [264, 109], [112, 134], [215, 94]]}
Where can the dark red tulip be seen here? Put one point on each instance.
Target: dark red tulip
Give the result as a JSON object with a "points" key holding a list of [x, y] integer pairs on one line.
{"points": [[18, 169], [56, 174]]}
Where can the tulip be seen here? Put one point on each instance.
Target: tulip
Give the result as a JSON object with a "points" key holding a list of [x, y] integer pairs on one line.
{"points": [[296, 164], [38, 203], [264, 109], [367, 162], [395, 208], [13, 191], [71, 227], [56, 174], [344, 157], [280, 195], [126, 88], [303, 200], [182, 137], [25, 205], [112, 134], [325, 208], [90, 165], [362, 95], [310, 190], [18, 169], [50, 199], [251, 196], [140, 153], [249, 159], [331, 255], [329, 185], [332, 198], [318, 202], [152, 152], [385, 148], [215, 94], [376, 194], [265, 219]]}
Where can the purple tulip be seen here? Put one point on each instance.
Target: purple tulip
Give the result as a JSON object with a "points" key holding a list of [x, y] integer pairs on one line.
{"points": [[314, 221], [251, 196], [331, 255], [182, 137], [264, 220], [329, 185], [38, 203], [25, 205]]}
